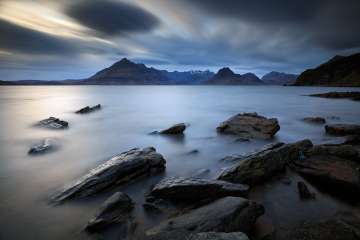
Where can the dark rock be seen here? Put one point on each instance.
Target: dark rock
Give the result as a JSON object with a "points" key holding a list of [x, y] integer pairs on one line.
{"points": [[179, 189], [88, 109], [116, 209], [195, 151], [119, 169], [53, 123], [229, 214], [342, 129], [152, 208], [264, 164], [337, 95], [304, 192], [45, 146], [352, 140], [315, 120], [175, 129], [344, 226], [218, 236], [250, 125], [233, 158], [241, 139]]}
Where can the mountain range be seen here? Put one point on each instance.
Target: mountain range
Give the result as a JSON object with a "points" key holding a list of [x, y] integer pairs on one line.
{"points": [[279, 78], [226, 76]]}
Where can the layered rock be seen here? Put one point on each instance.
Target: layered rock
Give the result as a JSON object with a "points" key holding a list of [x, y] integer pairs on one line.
{"points": [[119, 169], [229, 214], [88, 109], [181, 189], [250, 125], [343, 129], [53, 123], [175, 129], [264, 164]]}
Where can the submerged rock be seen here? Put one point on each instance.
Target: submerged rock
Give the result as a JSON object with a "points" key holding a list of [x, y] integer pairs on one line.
{"points": [[229, 214], [304, 191], [315, 120], [218, 236], [175, 129], [264, 164], [179, 189], [116, 209], [201, 173], [45, 146], [343, 129], [53, 123], [250, 125], [88, 109], [119, 169]]}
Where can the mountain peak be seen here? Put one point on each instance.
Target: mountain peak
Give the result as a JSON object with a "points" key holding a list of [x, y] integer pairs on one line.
{"points": [[225, 72]]}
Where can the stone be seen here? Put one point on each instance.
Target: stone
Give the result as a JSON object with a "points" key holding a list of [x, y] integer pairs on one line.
{"points": [[88, 109], [342, 129], [315, 120], [250, 125], [45, 146], [53, 123], [304, 191], [175, 129]]}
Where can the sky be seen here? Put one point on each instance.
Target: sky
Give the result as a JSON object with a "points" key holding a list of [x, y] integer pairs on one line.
{"points": [[60, 39]]}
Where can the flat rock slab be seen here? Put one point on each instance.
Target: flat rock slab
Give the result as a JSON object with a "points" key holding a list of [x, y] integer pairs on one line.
{"points": [[119, 169], [45, 146], [88, 109], [53, 123], [175, 129], [116, 209], [250, 125], [351, 95], [229, 214], [314, 120], [264, 164], [343, 129], [218, 236], [179, 189]]}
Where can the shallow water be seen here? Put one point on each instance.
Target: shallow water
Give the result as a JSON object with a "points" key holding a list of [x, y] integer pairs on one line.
{"points": [[129, 113]]}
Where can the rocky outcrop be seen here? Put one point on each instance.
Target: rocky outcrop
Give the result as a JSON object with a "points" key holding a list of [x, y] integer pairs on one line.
{"points": [[179, 189], [119, 169], [45, 146], [315, 120], [229, 214], [226, 76], [351, 95], [88, 109], [115, 210], [218, 236], [175, 129], [339, 71], [343, 129], [250, 125], [53, 123], [264, 164]]}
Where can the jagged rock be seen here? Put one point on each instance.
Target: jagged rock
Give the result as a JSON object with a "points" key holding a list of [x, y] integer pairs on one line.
{"points": [[315, 120], [179, 189], [175, 129], [45, 146], [343, 129], [53, 123], [229, 214], [218, 236], [304, 191], [250, 125], [264, 164], [344, 226], [88, 109], [119, 169], [116, 209]]}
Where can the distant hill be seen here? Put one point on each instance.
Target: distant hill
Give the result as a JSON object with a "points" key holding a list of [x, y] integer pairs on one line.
{"points": [[279, 78], [339, 71], [227, 77]]}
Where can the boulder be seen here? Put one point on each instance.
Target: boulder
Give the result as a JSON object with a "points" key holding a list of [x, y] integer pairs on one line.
{"points": [[179, 189], [250, 125], [315, 120], [119, 169], [88, 109], [45, 146], [264, 164], [53, 123], [116, 209], [175, 129], [229, 214], [218, 236], [304, 191], [342, 129]]}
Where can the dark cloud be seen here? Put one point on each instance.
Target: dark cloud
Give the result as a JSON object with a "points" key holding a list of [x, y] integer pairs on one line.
{"points": [[19, 39], [112, 18]]}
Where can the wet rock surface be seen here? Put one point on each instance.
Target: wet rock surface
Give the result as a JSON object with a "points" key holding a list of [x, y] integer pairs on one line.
{"points": [[119, 169], [229, 214], [179, 189], [45, 146], [250, 125], [314, 120], [175, 129], [115, 210], [304, 191], [343, 129], [351, 95], [88, 109], [264, 164], [53, 123], [218, 236]]}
